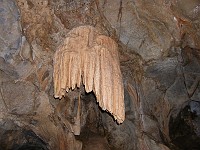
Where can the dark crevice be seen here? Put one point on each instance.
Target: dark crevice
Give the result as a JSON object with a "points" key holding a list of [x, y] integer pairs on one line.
{"points": [[21, 140], [183, 129]]}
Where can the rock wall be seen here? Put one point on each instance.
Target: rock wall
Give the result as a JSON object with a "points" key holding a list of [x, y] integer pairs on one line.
{"points": [[159, 52]]}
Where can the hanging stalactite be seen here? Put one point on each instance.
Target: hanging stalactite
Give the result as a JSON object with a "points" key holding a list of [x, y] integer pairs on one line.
{"points": [[92, 59]]}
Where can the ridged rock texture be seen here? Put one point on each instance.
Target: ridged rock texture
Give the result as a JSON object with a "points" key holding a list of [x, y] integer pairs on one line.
{"points": [[90, 58]]}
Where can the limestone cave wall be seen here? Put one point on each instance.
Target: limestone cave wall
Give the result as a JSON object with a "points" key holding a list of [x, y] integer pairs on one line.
{"points": [[159, 53]]}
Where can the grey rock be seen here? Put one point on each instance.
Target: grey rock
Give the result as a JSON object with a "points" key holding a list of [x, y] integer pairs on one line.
{"points": [[191, 71], [140, 27], [195, 107], [151, 128], [7, 71], [121, 137], [151, 97], [10, 36], [177, 95], [18, 97], [188, 8], [151, 144], [163, 72]]}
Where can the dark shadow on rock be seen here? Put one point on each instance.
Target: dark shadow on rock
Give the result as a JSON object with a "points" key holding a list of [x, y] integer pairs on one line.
{"points": [[21, 140], [184, 129]]}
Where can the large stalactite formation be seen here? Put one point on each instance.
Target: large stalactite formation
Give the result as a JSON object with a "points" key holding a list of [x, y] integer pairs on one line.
{"points": [[138, 59], [88, 57]]}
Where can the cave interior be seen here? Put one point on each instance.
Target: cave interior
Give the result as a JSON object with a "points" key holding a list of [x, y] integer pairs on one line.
{"points": [[99, 74]]}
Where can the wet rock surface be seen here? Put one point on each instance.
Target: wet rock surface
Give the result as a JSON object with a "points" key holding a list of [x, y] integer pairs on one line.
{"points": [[159, 52]]}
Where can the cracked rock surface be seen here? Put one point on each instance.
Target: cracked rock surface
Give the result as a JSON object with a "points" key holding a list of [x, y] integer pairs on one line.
{"points": [[159, 53]]}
